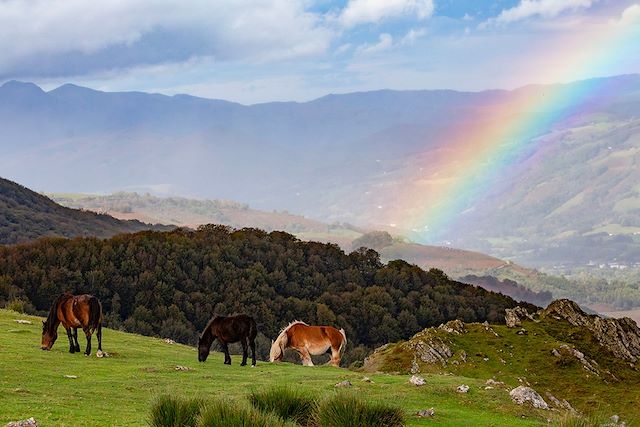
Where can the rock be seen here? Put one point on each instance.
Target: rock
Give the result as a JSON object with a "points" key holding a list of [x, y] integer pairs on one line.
{"points": [[30, 422], [615, 419], [560, 404], [454, 327], [523, 394], [169, 341], [345, 383], [565, 351], [23, 321], [182, 368], [494, 383], [522, 331], [417, 380], [515, 316], [426, 412], [488, 387], [620, 336], [463, 388], [72, 377], [428, 347], [367, 380]]}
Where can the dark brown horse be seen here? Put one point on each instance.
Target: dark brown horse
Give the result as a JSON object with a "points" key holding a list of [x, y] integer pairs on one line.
{"points": [[229, 330], [73, 311]]}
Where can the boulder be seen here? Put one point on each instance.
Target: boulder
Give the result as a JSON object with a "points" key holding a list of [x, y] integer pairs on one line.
{"points": [[30, 422], [454, 327], [463, 388], [620, 336], [417, 380], [426, 412], [345, 383], [428, 347], [523, 394], [515, 316]]}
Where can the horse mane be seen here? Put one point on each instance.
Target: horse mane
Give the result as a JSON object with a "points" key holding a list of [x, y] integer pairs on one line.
{"points": [[286, 328], [52, 319]]}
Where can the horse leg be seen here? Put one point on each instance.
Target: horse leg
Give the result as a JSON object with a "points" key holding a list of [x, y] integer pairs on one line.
{"points": [[75, 338], [227, 357], [305, 356], [72, 348], [252, 343], [87, 333], [99, 335], [244, 351]]}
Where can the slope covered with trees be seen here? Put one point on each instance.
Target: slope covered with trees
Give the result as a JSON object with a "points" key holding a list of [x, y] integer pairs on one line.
{"points": [[170, 283], [26, 215]]}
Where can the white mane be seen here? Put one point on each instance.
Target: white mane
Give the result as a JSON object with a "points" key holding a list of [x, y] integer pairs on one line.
{"points": [[286, 328]]}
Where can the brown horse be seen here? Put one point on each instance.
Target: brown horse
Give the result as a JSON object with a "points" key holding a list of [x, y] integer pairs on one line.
{"points": [[229, 330], [73, 311], [309, 340]]}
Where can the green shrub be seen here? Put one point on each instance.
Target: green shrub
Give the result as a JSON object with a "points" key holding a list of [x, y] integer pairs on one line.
{"points": [[222, 413], [346, 410], [168, 411], [285, 402], [18, 306]]}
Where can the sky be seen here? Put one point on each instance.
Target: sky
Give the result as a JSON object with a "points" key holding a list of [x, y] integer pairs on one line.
{"points": [[253, 51]]}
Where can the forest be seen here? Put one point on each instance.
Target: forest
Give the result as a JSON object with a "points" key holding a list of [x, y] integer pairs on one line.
{"points": [[169, 284]]}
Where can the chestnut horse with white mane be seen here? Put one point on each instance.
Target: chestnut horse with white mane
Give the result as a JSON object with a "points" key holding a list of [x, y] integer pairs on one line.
{"points": [[309, 340]]}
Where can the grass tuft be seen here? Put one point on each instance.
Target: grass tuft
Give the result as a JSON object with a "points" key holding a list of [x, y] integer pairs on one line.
{"points": [[169, 411], [285, 402], [346, 410], [223, 413]]}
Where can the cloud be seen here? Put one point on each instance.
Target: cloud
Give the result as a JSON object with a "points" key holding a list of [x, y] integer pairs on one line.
{"points": [[631, 16], [75, 37], [543, 8], [385, 41], [412, 35], [371, 11]]}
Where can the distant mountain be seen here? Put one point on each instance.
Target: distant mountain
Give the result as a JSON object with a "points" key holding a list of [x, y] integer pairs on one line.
{"points": [[571, 199], [26, 215]]}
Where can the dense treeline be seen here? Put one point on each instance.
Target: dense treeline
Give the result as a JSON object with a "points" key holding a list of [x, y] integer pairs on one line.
{"points": [[26, 215], [169, 284]]}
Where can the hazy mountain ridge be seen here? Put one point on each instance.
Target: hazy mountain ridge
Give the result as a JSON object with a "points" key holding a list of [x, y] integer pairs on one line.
{"points": [[292, 155], [25, 216]]}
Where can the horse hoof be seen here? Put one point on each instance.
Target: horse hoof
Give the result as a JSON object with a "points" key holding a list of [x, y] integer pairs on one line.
{"points": [[253, 366], [243, 364]]}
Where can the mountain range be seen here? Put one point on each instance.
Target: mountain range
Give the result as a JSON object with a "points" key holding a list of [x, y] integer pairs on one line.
{"points": [[574, 199]]}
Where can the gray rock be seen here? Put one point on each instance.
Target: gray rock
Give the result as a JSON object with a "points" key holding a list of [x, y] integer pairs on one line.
{"points": [[30, 422], [417, 380], [454, 327], [523, 394], [515, 316], [345, 383], [463, 388], [426, 412]]}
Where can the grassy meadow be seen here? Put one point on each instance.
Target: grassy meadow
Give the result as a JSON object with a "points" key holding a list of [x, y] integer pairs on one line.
{"points": [[118, 390]]}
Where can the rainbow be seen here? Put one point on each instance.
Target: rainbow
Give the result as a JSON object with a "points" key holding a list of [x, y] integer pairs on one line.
{"points": [[495, 140]]}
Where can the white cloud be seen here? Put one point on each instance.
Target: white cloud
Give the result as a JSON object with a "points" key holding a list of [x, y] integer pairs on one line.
{"points": [[33, 30], [371, 11], [543, 8], [631, 16], [385, 41], [412, 35]]}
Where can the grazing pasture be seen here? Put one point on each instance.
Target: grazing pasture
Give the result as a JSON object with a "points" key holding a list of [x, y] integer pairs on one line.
{"points": [[119, 390]]}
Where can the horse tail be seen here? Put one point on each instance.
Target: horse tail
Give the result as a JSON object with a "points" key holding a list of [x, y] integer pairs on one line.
{"points": [[95, 313], [344, 341], [253, 329]]}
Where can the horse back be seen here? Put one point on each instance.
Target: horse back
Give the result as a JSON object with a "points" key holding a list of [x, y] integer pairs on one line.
{"points": [[234, 328], [301, 333], [80, 311]]}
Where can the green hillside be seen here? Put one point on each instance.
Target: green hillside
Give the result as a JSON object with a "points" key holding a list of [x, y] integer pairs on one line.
{"points": [[26, 215], [118, 390]]}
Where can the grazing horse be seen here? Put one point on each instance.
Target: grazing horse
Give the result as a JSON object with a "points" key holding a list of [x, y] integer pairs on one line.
{"points": [[73, 311], [229, 330], [309, 340]]}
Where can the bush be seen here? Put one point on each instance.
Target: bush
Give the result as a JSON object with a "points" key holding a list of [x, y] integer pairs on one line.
{"points": [[168, 411], [346, 410], [222, 413], [20, 306], [285, 402]]}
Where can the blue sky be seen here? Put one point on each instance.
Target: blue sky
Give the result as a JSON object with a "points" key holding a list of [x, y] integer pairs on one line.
{"points": [[272, 50]]}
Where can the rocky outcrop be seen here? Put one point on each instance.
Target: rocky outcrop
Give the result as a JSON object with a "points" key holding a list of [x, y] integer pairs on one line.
{"points": [[30, 422], [620, 336], [454, 327], [515, 316], [523, 394], [428, 347]]}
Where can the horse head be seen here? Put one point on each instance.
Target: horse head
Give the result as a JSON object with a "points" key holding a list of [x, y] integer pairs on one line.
{"points": [[48, 336]]}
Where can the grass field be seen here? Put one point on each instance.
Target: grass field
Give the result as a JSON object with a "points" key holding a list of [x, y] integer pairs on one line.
{"points": [[117, 391]]}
